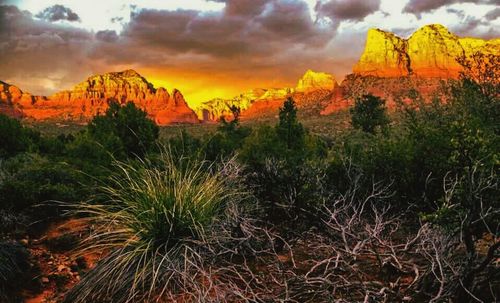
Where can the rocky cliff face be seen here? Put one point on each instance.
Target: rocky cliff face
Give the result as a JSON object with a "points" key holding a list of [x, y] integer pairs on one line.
{"points": [[430, 52], [92, 96]]}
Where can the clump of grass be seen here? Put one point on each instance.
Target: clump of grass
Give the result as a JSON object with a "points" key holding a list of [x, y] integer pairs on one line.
{"points": [[155, 215], [14, 267]]}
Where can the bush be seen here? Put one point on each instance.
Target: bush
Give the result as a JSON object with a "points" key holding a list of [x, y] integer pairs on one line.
{"points": [[88, 154], [155, 210], [288, 141], [283, 164], [290, 195], [184, 145], [124, 129], [289, 129], [33, 180], [14, 137]]}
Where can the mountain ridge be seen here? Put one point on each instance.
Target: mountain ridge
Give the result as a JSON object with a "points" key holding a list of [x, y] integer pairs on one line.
{"points": [[389, 67], [92, 96]]}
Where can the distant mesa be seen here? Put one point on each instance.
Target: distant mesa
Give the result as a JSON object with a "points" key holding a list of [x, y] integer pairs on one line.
{"points": [[92, 96], [266, 101], [312, 81]]}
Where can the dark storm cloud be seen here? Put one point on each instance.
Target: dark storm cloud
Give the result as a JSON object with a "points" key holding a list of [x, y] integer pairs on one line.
{"points": [[338, 10], [244, 7], [57, 13], [493, 14], [107, 36], [248, 38], [417, 7], [468, 25], [235, 31]]}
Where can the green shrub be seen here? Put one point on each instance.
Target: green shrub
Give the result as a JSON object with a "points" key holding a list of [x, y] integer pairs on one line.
{"points": [[88, 154], [154, 211], [263, 143], [124, 129], [33, 180], [14, 137], [289, 129], [284, 164], [290, 196], [288, 141]]}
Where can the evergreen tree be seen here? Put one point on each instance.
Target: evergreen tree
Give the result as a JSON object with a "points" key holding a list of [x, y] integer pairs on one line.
{"points": [[369, 113], [289, 128]]}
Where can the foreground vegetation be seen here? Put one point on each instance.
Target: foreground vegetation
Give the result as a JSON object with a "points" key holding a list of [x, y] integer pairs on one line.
{"points": [[387, 211]]}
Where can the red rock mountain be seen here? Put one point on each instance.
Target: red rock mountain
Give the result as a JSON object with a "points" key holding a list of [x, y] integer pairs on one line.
{"points": [[92, 97]]}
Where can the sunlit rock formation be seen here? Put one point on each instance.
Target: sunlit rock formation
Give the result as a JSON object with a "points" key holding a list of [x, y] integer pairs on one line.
{"points": [[430, 52], [312, 81], [394, 68], [176, 110], [385, 55], [92, 97], [12, 99]]}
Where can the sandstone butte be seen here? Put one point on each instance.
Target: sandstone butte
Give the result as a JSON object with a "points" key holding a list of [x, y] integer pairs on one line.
{"points": [[259, 102], [92, 97]]}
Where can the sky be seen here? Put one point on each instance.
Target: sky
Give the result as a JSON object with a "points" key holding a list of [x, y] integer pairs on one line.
{"points": [[210, 48]]}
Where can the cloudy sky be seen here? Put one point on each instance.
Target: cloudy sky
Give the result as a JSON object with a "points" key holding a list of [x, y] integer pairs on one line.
{"points": [[210, 48]]}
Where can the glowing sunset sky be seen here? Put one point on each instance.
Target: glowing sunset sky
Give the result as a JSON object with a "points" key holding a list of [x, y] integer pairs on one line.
{"points": [[208, 49]]}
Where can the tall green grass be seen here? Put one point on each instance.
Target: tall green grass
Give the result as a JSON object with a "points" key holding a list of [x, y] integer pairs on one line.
{"points": [[155, 212]]}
